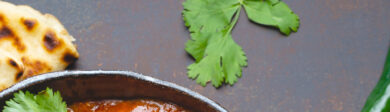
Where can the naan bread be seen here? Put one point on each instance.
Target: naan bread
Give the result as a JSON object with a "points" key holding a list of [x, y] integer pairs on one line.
{"points": [[31, 43]]}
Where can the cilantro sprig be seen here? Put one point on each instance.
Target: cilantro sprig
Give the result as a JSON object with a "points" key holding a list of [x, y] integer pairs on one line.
{"points": [[44, 101], [218, 57]]}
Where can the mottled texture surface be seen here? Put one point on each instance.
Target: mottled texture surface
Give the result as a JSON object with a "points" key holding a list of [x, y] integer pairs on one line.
{"points": [[330, 65]]}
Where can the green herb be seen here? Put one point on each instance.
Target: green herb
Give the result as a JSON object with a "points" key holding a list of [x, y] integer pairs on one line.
{"points": [[44, 101], [218, 58], [379, 99]]}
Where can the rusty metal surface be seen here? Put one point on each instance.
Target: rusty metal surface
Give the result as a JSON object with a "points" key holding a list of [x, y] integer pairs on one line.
{"points": [[330, 65]]}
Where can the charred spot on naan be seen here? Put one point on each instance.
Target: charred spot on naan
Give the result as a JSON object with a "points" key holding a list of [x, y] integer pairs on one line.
{"points": [[19, 68], [29, 24], [5, 32], [18, 44], [19, 75], [13, 63], [69, 57], [51, 41], [34, 67]]}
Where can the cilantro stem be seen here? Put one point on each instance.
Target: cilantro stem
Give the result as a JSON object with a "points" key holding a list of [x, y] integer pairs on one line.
{"points": [[235, 19]]}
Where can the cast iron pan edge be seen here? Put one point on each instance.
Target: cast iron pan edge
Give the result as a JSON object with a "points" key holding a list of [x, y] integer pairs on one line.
{"points": [[56, 75]]}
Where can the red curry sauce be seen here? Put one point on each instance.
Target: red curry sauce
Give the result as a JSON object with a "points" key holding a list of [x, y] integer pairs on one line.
{"points": [[125, 106]]}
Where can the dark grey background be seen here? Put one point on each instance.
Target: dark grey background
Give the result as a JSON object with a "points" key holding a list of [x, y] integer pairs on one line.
{"points": [[330, 65]]}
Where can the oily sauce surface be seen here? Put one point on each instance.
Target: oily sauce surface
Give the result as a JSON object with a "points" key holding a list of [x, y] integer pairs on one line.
{"points": [[141, 105]]}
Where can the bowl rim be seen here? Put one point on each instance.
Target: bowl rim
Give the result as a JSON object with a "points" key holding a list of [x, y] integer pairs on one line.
{"points": [[57, 75]]}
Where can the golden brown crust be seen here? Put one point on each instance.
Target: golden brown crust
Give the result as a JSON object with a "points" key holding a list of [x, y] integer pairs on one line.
{"points": [[33, 67], [1, 18]]}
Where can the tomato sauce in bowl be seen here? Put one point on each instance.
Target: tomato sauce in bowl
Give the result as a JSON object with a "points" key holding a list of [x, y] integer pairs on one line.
{"points": [[140, 105]]}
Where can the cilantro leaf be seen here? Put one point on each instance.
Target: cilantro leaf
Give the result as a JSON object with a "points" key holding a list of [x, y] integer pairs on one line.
{"points": [[218, 58], [45, 101], [272, 12], [209, 15], [223, 59], [197, 46]]}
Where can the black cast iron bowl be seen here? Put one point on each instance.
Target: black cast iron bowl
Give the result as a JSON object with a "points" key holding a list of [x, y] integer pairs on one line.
{"points": [[76, 86]]}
